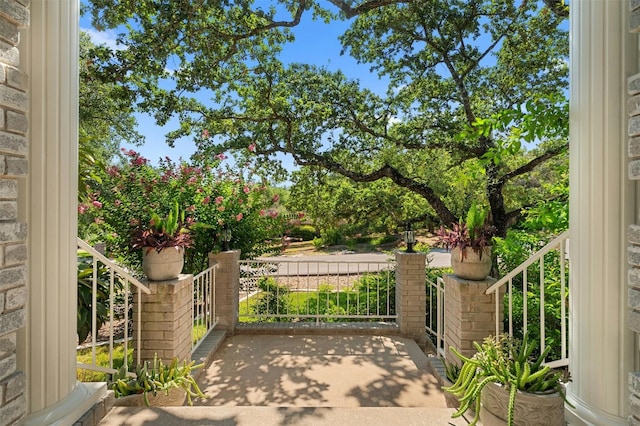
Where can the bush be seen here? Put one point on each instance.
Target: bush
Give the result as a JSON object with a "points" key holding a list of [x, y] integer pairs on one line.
{"points": [[273, 298], [304, 232], [332, 236], [512, 251], [85, 294], [318, 243]]}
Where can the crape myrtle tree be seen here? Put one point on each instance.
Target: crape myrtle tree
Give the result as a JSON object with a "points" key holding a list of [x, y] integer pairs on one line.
{"points": [[470, 81]]}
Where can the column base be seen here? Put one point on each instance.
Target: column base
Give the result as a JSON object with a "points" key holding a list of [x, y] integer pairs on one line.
{"points": [[71, 408], [584, 415]]}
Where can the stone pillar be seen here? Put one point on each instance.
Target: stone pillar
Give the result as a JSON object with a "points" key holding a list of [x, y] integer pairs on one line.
{"points": [[601, 352], [227, 288], [167, 325], [469, 315], [411, 295]]}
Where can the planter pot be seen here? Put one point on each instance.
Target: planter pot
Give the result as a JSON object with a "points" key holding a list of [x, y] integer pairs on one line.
{"points": [[469, 265], [176, 397], [530, 409], [162, 266]]}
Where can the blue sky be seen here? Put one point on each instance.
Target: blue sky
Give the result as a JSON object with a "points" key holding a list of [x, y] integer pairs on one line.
{"points": [[316, 43]]}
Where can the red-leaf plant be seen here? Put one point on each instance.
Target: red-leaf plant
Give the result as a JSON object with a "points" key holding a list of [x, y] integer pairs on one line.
{"points": [[170, 231], [476, 233]]}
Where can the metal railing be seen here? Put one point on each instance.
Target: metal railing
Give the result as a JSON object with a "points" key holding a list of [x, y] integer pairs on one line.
{"points": [[319, 291], [110, 281], [435, 314], [203, 314], [548, 289]]}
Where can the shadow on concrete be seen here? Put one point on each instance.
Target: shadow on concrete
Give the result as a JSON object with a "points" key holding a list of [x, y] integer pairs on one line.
{"points": [[319, 371]]}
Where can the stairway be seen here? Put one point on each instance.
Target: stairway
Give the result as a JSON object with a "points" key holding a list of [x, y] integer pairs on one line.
{"points": [[266, 380]]}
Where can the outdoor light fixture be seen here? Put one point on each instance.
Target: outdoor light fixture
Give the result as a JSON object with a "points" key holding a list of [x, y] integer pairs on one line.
{"points": [[226, 237], [409, 237]]}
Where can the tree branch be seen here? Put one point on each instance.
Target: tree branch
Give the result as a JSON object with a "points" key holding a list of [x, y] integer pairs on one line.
{"points": [[533, 164], [385, 171], [367, 6], [558, 7]]}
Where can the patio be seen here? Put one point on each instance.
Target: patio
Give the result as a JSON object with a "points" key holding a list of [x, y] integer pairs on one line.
{"points": [[309, 380]]}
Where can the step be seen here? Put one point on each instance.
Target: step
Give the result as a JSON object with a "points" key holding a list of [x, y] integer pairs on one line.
{"points": [[277, 416]]}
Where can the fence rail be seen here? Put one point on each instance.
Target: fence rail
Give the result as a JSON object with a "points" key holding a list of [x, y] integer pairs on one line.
{"points": [[541, 283], [203, 314], [316, 291], [435, 314], [108, 281]]}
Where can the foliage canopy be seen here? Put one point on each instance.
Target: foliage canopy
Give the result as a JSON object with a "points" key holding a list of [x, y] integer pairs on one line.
{"points": [[477, 86]]}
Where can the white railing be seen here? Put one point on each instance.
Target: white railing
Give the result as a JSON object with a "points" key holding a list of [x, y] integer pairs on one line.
{"points": [[316, 291], [203, 314], [435, 314], [110, 281], [531, 290]]}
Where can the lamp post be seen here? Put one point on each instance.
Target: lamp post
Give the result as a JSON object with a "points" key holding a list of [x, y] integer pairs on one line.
{"points": [[226, 237], [409, 237]]}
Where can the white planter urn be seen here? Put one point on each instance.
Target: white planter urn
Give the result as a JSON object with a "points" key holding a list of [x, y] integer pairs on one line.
{"points": [[166, 265], [470, 265], [531, 409]]}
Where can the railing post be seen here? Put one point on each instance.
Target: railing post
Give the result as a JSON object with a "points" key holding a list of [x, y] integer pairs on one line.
{"points": [[469, 314], [166, 326], [411, 295], [227, 288]]}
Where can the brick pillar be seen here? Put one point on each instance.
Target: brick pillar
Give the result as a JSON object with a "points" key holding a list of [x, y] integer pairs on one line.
{"points": [[166, 319], [469, 314], [411, 297], [227, 288]]}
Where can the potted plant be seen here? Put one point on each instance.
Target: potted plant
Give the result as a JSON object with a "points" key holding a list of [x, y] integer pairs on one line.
{"points": [[163, 243], [505, 386], [157, 384], [470, 245], [451, 375]]}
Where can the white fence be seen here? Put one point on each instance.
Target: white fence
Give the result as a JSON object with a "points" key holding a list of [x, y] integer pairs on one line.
{"points": [[316, 291], [435, 314], [203, 314], [111, 288], [542, 296]]}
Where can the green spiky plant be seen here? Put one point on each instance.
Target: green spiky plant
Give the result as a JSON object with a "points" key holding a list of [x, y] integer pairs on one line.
{"points": [[157, 377], [162, 232], [507, 362], [475, 232]]}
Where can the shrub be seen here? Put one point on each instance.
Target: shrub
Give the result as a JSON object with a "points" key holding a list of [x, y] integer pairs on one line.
{"points": [[85, 291], [318, 243], [332, 237], [512, 251], [304, 232], [273, 298]]}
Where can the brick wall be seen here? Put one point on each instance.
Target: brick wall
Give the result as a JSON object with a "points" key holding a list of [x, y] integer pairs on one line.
{"points": [[166, 319], [14, 104], [411, 296], [227, 288], [470, 314]]}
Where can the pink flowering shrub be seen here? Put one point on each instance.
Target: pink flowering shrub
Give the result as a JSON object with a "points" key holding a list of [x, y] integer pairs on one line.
{"points": [[211, 196]]}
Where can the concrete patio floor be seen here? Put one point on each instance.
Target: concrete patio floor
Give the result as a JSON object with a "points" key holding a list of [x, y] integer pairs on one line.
{"points": [[308, 380]]}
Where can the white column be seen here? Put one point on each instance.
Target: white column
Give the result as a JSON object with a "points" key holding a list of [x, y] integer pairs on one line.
{"points": [[48, 346], [601, 207]]}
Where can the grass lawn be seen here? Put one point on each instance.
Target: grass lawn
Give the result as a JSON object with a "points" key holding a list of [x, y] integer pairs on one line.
{"points": [[312, 303], [102, 359]]}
